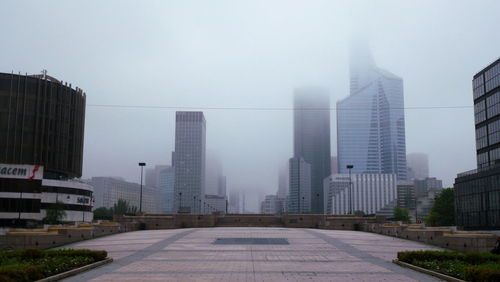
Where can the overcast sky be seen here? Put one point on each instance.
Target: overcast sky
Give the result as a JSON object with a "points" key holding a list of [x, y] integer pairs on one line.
{"points": [[233, 54]]}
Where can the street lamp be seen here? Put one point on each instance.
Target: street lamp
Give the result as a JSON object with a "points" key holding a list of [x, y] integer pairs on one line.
{"points": [[194, 204], [180, 202], [142, 165], [349, 167], [302, 210]]}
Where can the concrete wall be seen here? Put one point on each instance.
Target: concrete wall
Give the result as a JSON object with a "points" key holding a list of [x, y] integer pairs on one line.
{"points": [[441, 237], [58, 236]]}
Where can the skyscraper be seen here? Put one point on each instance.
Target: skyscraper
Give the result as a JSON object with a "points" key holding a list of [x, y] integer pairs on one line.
{"points": [[477, 193], [300, 186], [370, 121], [312, 138], [189, 161]]}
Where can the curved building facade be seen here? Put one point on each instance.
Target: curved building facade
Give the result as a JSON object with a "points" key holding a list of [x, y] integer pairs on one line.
{"points": [[42, 123], [41, 149]]}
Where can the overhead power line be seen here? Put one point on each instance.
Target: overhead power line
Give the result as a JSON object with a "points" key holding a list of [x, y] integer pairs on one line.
{"points": [[263, 108]]}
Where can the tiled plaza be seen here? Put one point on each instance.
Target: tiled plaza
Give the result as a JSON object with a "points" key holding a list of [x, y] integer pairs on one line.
{"points": [[191, 255]]}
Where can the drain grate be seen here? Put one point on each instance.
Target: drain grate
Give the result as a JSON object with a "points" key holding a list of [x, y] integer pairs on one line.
{"points": [[251, 241]]}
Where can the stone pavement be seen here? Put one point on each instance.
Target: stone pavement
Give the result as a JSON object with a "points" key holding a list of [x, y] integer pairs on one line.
{"points": [[190, 255]]}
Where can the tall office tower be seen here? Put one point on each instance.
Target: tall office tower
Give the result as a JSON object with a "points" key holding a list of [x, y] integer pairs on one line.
{"points": [[221, 189], [312, 138], [371, 122], [418, 166], [335, 165], [477, 193], [299, 199], [189, 182]]}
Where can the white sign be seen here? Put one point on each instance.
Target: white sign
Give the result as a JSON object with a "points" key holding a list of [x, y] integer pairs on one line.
{"points": [[21, 171]]}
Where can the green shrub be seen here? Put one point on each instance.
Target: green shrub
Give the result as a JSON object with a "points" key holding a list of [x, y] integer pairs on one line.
{"points": [[21, 272], [485, 272], [31, 254], [96, 255], [453, 268], [471, 258]]}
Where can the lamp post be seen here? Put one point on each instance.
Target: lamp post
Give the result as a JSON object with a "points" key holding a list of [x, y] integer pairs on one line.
{"points": [[142, 165], [180, 202], [349, 167], [302, 208], [194, 204], [200, 206]]}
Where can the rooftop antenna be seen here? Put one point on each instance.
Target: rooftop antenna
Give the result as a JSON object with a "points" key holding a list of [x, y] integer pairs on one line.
{"points": [[44, 73]]}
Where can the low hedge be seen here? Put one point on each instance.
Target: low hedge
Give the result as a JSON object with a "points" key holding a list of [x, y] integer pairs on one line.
{"points": [[467, 266], [34, 264]]}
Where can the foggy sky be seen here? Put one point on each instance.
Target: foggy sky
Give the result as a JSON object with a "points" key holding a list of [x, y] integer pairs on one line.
{"points": [[250, 54]]}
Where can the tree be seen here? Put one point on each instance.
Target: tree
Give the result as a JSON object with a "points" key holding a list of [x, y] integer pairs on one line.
{"points": [[401, 214], [443, 210], [123, 207], [55, 213], [103, 213]]}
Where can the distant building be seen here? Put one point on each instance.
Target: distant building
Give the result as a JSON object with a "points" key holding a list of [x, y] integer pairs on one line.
{"points": [[189, 162], [370, 193], [42, 123], [299, 200], [166, 185], [270, 205], [418, 166], [215, 203], [311, 139], [422, 187], [406, 195], [108, 190], [234, 202], [152, 175], [477, 193], [371, 121]]}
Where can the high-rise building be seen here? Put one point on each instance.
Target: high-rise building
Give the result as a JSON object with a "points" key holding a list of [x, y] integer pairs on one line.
{"points": [[311, 139], [406, 195], [334, 165], [370, 193], [477, 193], [189, 162], [299, 199], [418, 166], [370, 121], [215, 203], [42, 121]]}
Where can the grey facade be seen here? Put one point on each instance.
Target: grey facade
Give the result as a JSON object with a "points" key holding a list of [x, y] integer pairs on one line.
{"points": [[371, 193], [299, 199], [312, 138], [166, 180], [371, 122], [477, 192], [189, 161], [423, 186]]}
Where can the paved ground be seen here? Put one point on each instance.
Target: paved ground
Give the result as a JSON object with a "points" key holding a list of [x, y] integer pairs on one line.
{"points": [[190, 255]]}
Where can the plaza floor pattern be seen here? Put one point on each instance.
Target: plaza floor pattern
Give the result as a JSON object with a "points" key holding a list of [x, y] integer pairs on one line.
{"points": [[192, 255]]}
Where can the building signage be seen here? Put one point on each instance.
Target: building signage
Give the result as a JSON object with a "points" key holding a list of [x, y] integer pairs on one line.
{"points": [[29, 172], [83, 200]]}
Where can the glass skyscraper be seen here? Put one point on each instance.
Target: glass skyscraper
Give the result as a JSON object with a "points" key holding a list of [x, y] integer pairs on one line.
{"points": [[312, 138], [189, 161], [371, 122]]}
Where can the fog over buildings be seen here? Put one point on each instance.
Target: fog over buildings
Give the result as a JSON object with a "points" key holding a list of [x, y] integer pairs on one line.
{"points": [[239, 62]]}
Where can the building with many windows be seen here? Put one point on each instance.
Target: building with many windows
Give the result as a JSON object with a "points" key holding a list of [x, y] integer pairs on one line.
{"points": [[418, 166], [299, 199], [371, 121], [189, 161], [108, 190], [41, 149], [369, 193], [311, 139], [477, 192]]}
